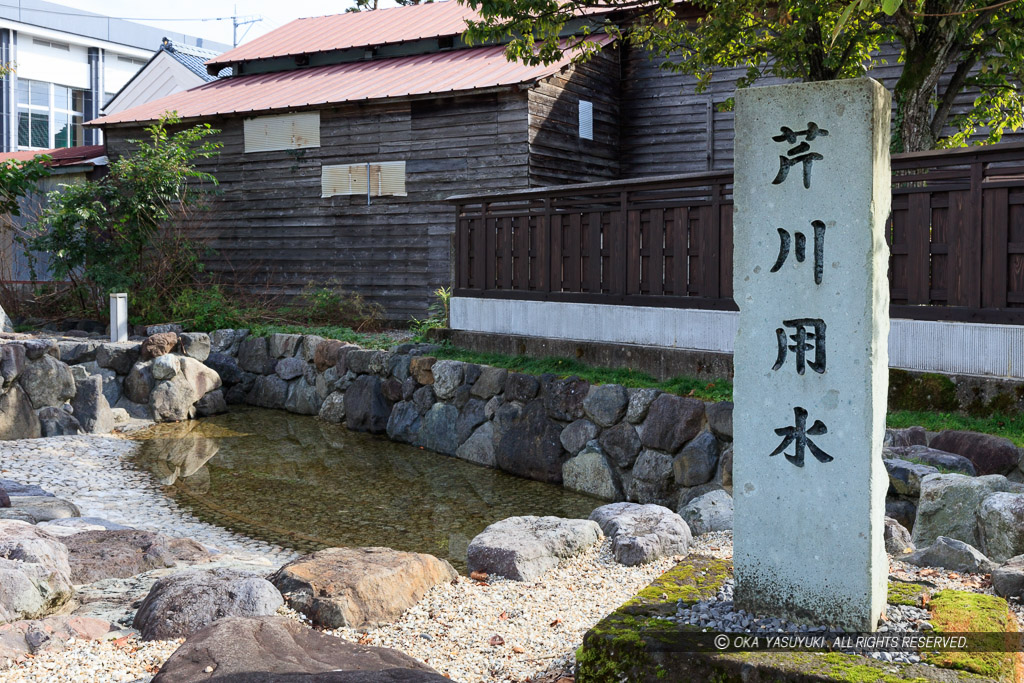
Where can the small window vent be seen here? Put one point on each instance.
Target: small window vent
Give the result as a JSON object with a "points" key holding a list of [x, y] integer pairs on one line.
{"points": [[586, 120], [283, 131], [50, 43], [446, 42], [381, 179], [131, 60]]}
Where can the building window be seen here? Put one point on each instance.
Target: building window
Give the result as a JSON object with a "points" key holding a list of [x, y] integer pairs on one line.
{"points": [[49, 115], [380, 179], [586, 120], [282, 131]]}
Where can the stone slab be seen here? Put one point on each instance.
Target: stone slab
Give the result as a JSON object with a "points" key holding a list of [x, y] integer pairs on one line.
{"points": [[809, 523]]}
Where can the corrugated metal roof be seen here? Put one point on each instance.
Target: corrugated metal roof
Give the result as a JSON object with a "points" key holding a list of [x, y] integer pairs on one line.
{"points": [[193, 58], [354, 29], [61, 156], [439, 72]]}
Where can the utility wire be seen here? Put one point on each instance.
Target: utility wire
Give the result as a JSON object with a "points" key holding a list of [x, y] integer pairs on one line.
{"points": [[101, 16]]}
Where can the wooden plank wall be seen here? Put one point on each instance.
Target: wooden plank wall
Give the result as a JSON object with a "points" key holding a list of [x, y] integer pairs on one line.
{"points": [[557, 154], [667, 127], [270, 227]]}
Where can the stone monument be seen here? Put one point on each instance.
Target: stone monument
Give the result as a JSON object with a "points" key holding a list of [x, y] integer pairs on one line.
{"points": [[812, 194]]}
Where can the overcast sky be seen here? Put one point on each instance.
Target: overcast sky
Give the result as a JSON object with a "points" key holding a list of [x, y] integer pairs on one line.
{"points": [[275, 13]]}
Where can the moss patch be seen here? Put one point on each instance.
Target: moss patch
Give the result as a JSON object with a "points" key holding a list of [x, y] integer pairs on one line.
{"points": [[927, 391], [963, 612], [689, 581], [905, 593]]}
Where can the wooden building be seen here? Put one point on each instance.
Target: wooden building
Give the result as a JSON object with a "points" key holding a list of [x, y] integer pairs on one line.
{"points": [[343, 135]]}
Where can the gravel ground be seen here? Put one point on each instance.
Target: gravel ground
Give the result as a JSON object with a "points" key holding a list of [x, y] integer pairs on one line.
{"points": [[492, 631]]}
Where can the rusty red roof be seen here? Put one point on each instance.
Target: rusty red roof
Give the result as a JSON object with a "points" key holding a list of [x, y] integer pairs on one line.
{"points": [[354, 29], [61, 156], [439, 72]]}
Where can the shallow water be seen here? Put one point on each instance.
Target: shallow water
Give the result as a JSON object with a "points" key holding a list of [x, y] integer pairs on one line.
{"points": [[305, 484]]}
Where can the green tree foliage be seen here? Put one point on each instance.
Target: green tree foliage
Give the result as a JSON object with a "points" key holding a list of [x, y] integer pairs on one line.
{"points": [[18, 178], [128, 230], [981, 43]]}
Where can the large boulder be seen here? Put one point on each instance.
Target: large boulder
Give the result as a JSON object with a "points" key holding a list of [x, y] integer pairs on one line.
{"points": [[905, 476], [990, 454], [5, 321], [697, 462], [13, 361], [181, 604], [278, 649], [47, 382], [709, 512], [652, 479], [577, 435], [172, 399], [447, 378], [606, 404], [17, 418], [1000, 520], [195, 345], [524, 548], [621, 443], [253, 356], [333, 408], [671, 422], [490, 383], [97, 555], [139, 383], [1008, 578], [898, 541], [642, 533], [302, 398], [950, 553], [157, 345], [358, 587], [34, 572], [226, 341], [479, 447], [439, 430], [29, 590], [329, 353], [923, 455], [911, 436], [268, 391], [590, 473], [564, 397], [118, 356], [948, 504], [44, 508], [366, 407], [226, 368], [528, 444], [720, 419], [90, 405], [283, 345], [213, 403], [58, 422]]}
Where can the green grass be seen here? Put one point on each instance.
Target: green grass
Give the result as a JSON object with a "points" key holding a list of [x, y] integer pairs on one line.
{"points": [[1010, 427], [714, 390], [368, 340]]}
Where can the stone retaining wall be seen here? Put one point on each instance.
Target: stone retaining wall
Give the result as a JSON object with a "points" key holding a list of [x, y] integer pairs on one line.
{"points": [[607, 440], [55, 387]]}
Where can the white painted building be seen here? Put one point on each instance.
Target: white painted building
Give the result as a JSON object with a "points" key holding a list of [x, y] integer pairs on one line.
{"points": [[66, 64], [173, 68]]}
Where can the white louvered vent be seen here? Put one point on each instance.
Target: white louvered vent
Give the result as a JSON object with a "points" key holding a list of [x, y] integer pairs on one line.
{"points": [[283, 131], [586, 120], [381, 179], [344, 179]]}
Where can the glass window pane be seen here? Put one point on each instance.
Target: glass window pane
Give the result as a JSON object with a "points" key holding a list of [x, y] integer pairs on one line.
{"points": [[40, 125], [77, 131], [23, 91], [61, 97], [62, 130], [40, 93], [23, 130], [78, 100]]}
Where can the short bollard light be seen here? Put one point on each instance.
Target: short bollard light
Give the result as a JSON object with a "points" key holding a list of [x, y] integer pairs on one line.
{"points": [[119, 317]]}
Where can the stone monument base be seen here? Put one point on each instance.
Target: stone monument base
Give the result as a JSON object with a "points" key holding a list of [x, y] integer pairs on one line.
{"points": [[639, 643]]}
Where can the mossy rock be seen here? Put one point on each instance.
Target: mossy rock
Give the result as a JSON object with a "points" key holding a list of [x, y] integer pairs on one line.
{"points": [[965, 612], [906, 593], [638, 643], [927, 391]]}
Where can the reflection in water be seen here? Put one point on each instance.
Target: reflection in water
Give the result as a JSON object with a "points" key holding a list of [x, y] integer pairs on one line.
{"points": [[306, 484]]}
